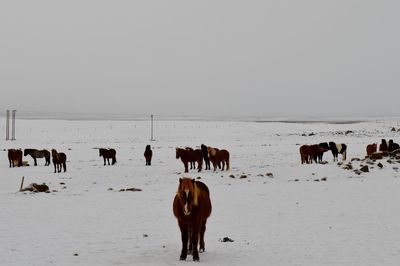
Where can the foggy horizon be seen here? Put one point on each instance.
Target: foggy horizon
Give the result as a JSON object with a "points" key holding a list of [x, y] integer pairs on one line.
{"points": [[179, 58]]}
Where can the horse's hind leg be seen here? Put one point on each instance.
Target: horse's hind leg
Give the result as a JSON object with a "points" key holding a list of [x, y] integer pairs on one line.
{"points": [[202, 244], [34, 159]]}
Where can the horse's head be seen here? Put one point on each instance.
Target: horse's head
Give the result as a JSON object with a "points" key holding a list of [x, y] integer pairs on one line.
{"points": [[187, 193], [54, 152], [101, 152], [178, 152], [148, 148], [25, 152]]}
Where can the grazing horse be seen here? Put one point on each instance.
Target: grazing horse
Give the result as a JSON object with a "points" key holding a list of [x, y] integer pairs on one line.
{"points": [[205, 156], [218, 156], [148, 153], [190, 156], [393, 146], [59, 161], [192, 207], [15, 157], [107, 154], [383, 146], [371, 148], [38, 154]]}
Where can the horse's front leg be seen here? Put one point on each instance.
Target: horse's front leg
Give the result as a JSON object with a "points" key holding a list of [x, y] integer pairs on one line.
{"points": [[195, 241], [104, 158], [35, 162], [186, 167], [55, 166], [184, 237]]}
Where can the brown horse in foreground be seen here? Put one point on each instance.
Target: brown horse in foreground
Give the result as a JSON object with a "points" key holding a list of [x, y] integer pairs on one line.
{"points": [[188, 156], [219, 156], [192, 207], [107, 155], [59, 161], [15, 157]]}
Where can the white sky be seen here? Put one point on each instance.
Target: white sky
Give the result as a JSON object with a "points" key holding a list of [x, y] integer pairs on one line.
{"points": [[201, 57]]}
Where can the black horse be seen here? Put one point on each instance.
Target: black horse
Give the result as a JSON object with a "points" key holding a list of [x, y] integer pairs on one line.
{"points": [[393, 146], [205, 156], [38, 154], [107, 154], [148, 153], [335, 149]]}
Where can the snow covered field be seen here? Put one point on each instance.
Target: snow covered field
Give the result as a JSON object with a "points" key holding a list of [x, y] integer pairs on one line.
{"points": [[287, 219]]}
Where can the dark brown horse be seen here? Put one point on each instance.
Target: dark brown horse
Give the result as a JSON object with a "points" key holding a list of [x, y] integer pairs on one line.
{"points": [[15, 157], [107, 155], [188, 156], [304, 153], [148, 153], [192, 207], [59, 160], [218, 156], [38, 154], [371, 148]]}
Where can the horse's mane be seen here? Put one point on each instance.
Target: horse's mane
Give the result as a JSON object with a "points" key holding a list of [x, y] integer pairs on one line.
{"points": [[196, 189]]}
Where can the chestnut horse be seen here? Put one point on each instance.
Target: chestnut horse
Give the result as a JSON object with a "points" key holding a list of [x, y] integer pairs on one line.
{"points": [[371, 148], [59, 161], [190, 156], [148, 153], [192, 207], [304, 153], [107, 155], [218, 156], [15, 157]]}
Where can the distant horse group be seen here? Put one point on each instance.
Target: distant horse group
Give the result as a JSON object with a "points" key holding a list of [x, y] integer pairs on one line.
{"points": [[310, 153], [188, 155], [383, 147], [217, 157]]}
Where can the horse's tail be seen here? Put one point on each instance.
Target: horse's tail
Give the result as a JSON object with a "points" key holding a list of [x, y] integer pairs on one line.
{"points": [[344, 147], [65, 166], [114, 160]]}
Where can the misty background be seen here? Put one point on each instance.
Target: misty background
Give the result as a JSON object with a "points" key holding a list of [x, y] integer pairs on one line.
{"points": [[212, 58]]}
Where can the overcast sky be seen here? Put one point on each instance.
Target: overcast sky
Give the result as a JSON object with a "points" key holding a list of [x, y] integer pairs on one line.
{"points": [[264, 58]]}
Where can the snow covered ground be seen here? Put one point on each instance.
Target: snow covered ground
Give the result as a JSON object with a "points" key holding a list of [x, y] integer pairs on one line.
{"points": [[287, 219]]}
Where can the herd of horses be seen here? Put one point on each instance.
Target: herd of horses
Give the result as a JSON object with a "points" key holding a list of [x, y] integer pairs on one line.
{"points": [[218, 158], [383, 147], [315, 152]]}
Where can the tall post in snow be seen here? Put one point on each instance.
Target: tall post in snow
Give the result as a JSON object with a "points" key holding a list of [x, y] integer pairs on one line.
{"points": [[8, 125], [13, 125], [152, 119]]}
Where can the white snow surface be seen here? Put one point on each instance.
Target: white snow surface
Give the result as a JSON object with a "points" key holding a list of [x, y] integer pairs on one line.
{"points": [[287, 219]]}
